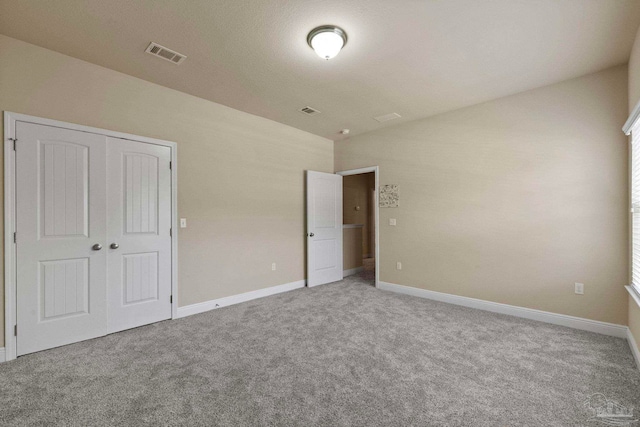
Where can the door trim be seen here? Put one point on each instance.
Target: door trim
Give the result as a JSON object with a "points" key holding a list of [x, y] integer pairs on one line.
{"points": [[10, 259], [376, 211]]}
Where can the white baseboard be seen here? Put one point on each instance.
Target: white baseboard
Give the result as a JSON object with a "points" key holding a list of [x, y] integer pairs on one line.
{"points": [[351, 271], [634, 347], [3, 356], [201, 307], [604, 328]]}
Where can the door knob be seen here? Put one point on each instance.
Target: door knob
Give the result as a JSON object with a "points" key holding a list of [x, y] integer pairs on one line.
{"points": [[114, 246], [311, 234], [96, 247]]}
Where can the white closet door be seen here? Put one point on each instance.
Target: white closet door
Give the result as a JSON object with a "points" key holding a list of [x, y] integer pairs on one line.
{"points": [[139, 241], [324, 228], [60, 216]]}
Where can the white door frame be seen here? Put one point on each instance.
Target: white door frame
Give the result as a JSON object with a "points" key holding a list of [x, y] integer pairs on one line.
{"points": [[10, 291], [376, 210]]}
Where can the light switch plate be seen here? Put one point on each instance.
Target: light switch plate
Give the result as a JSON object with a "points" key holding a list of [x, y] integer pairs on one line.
{"points": [[183, 222], [579, 287], [392, 221]]}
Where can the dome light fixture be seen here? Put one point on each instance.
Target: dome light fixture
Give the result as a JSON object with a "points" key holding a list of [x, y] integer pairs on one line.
{"points": [[327, 40]]}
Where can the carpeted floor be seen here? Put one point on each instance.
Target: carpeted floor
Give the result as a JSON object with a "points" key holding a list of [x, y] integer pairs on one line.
{"points": [[335, 355]]}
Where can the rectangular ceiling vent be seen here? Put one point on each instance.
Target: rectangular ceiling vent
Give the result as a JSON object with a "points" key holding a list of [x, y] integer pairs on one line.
{"points": [[167, 54], [310, 111], [387, 117]]}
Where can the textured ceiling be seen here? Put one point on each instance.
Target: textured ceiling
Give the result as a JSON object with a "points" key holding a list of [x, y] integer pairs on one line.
{"points": [[413, 57]]}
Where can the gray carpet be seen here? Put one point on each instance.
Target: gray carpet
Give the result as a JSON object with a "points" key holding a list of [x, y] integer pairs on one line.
{"points": [[344, 354]]}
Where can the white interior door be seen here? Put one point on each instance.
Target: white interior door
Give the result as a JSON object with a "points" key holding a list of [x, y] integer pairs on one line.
{"points": [[60, 216], [324, 228], [139, 240]]}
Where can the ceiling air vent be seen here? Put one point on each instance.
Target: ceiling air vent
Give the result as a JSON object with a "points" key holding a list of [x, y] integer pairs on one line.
{"points": [[310, 111], [162, 52], [387, 117]]}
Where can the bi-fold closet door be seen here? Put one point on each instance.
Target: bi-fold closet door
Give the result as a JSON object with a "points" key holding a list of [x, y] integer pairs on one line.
{"points": [[93, 243]]}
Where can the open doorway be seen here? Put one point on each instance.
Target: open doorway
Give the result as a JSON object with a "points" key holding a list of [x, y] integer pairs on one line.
{"points": [[360, 224]]}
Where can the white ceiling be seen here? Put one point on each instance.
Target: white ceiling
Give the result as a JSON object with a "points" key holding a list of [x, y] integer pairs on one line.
{"points": [[413, 57]]}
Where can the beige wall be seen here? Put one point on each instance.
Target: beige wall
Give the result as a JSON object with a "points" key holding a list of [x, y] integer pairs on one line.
{"points": [[634, 73], [512, 200], [357, 193], [352, 248], [241, 177]]}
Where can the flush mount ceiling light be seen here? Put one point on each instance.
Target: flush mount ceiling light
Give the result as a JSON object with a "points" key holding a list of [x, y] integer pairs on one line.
{"points": [[327, 40]]}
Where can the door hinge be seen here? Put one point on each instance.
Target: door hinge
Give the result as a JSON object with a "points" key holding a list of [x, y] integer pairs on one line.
{"points": [[14, 140], [15, 331], [171, 299], [171, 232], [15, 237], [170, 166]]}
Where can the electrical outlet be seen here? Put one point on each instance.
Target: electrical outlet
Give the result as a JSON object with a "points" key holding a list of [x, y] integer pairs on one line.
{"points": [[398, 265], [579, 287], [183, 222], [392, 221], [273, 266]]}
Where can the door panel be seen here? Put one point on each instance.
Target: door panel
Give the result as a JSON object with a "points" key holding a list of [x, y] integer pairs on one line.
{"points": [[64, 178], [141, 193], [326, 253], [140, 278], [139, 199], [324, 228], [64, 288], [60, 215]]}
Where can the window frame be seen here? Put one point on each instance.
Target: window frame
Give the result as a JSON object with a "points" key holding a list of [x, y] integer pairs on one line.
{"points": [[632, 129]]}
